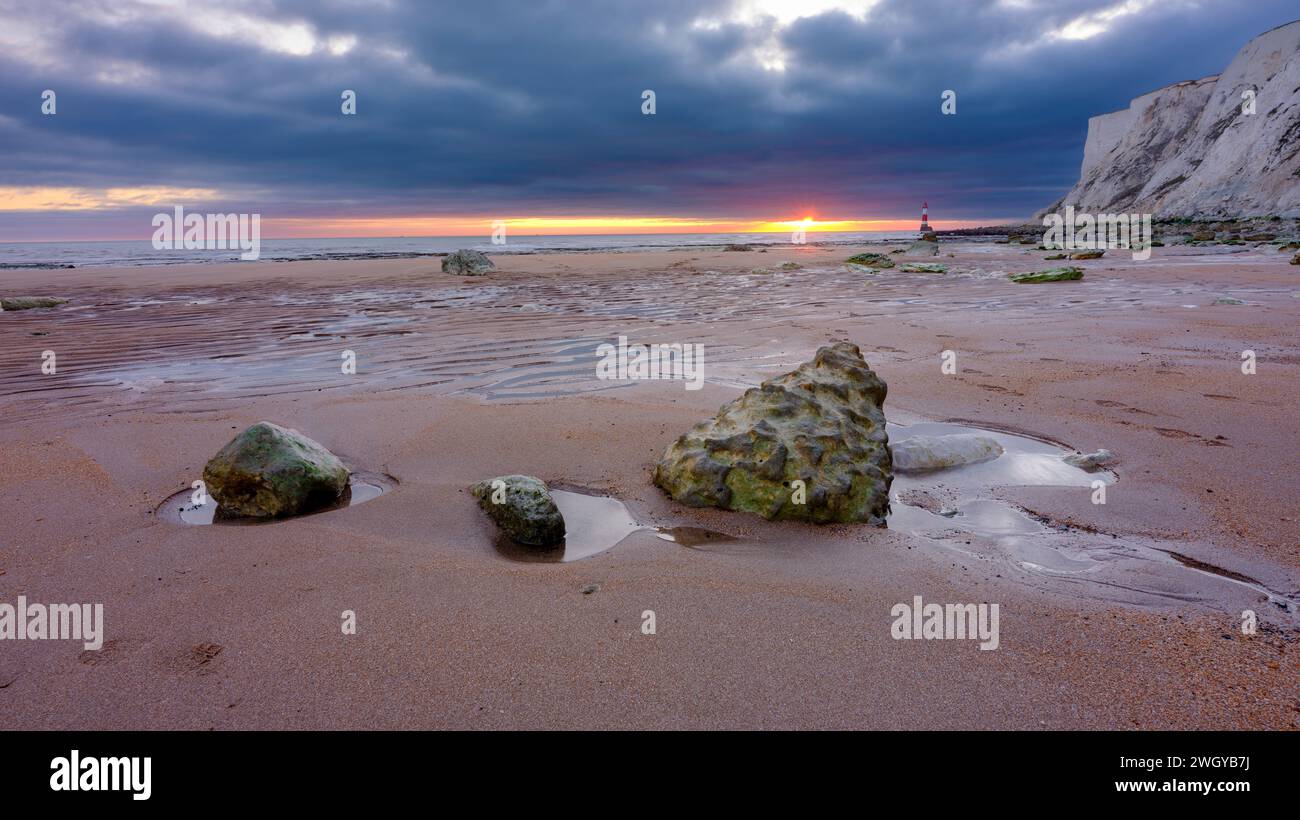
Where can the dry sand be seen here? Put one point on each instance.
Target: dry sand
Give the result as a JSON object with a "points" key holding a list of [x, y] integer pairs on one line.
{"points": [[462, 379]]}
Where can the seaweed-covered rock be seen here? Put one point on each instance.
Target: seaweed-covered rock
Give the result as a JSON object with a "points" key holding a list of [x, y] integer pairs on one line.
{"points": [[522, 507], [1050, 275], [30, 302], [822, 425], [870, 260], [269, 471], [923, 454], [924, 267], [467, 263], [1087, 255]]}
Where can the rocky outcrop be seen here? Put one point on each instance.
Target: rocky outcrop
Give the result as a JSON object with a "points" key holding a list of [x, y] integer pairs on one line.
{"points": [[809, 445], [269, 471], [522, 507], [467, 263], [1190, 150]]}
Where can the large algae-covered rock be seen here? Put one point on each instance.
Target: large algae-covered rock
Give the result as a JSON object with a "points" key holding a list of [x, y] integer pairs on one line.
{"points": [[467, 263], [821, 425], [922, 454], [269, 471], [522, 507]]}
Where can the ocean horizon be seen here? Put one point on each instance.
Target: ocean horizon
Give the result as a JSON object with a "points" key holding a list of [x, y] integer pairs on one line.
{"points": [[140, 252]]}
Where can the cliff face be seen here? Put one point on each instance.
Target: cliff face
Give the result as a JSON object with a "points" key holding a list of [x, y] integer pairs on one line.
{"points": [[1189, 149]]}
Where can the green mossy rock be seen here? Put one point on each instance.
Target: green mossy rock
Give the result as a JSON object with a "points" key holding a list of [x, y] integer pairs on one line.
{"points": [[822, 424], [924, 267], [870, 260], [30, 302], [467, 263], [269, 471], [523, 508], [1049, 275]]}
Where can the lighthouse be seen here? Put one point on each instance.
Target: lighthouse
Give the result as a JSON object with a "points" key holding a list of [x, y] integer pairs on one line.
{"points": [[925, 217]]}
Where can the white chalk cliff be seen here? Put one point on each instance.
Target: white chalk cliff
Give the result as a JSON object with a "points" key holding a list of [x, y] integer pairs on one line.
{"points": [[1190, 150]]}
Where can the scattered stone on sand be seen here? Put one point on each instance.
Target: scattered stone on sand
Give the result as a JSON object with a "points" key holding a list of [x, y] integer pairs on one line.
{"points": [[870, 260], [522, 507], [1087, 255], [822, 425], [924, 267], [923, 454], [737, 248], [590, 588], [268, 471], [1203, 236], [466, 262], [1092, 462], [923, 247], [1295, 260], [1066, 274], [1228, 300], [30, 302], [790, 266], [1056, 257]]}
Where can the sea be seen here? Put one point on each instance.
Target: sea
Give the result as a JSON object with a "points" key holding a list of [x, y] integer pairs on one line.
{"points": [[141, 252]]}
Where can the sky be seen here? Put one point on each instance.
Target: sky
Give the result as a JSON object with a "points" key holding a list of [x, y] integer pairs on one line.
{"points": [[468, 112]]}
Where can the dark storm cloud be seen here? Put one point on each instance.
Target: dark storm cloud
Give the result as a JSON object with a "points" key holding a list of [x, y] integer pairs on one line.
{"points": [[514, 107]]}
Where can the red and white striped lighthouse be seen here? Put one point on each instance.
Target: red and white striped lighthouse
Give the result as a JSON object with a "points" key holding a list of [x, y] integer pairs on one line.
{"points": [[925, 217]]}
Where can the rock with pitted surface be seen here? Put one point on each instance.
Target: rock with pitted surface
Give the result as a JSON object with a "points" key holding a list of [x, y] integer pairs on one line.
{"points": [[809, 445], [522, 507], [269, 471], [467, 263]]}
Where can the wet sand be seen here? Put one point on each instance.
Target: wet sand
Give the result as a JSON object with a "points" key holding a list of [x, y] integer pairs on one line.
{"points": [[786, 625]]}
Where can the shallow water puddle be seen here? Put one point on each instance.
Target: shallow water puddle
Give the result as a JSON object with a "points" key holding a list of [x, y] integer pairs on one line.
{"points": [[180, 508], [592, 523], [954, 507]]}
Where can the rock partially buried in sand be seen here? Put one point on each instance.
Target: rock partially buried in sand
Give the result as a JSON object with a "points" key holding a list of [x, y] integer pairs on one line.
{"points": [[1088, 255], [523, 508], [923, 247], [1049, 275], [467, 263], [269, 471], [821, 425], [1092, 462], [30, 302], [924, 454], [924, 267]]}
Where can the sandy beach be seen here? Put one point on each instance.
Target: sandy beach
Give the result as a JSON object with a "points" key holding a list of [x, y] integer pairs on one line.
{"points": [[787, 625]]}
